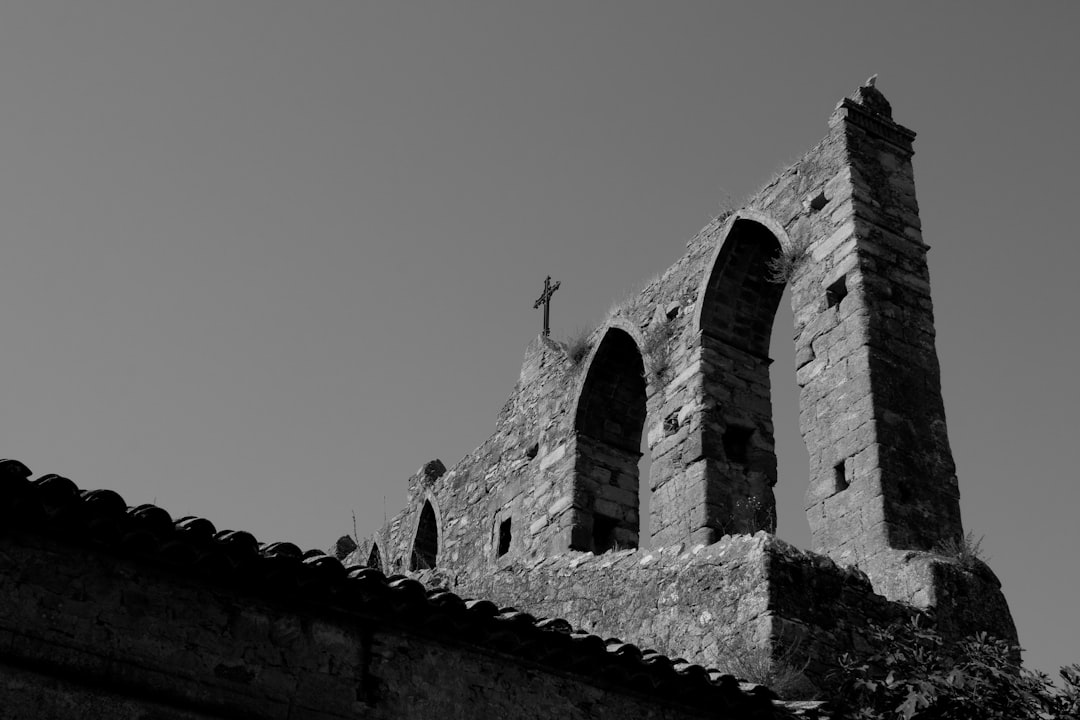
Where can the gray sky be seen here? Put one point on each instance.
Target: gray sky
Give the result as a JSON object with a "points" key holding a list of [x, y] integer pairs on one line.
{"points": [[261, 260]]}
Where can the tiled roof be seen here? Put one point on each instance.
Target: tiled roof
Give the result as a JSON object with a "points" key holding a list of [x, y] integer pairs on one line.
{"points": [[53, 505]]}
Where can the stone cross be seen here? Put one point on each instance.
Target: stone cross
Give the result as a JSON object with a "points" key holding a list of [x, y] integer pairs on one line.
{"points": [[545, 300]]}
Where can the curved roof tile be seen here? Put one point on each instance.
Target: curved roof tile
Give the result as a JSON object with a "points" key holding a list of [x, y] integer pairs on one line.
{"points": [[55, 505]]}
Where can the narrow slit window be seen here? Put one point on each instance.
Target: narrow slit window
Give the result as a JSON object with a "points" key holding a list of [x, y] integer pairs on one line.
{"points": [[504, 537], [425, 550], [840, 477], [374, 557]]}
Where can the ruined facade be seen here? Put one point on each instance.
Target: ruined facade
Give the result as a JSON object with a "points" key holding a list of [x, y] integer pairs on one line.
{"points": [[545, 515], [110, 611]]}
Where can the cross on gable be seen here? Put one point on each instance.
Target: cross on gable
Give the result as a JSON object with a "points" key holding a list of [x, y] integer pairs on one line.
{"points": [[545, 300]]}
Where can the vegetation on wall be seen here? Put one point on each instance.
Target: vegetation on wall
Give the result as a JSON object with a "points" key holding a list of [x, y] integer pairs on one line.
{"points": [[967, 549], [782, 671], [783, 267], [577, 345], [913, 674]]}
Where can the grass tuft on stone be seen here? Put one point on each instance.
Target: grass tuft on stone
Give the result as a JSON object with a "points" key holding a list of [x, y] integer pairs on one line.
{"points": [[782, 671], [784, 266], [967, 549], [577, 345]]}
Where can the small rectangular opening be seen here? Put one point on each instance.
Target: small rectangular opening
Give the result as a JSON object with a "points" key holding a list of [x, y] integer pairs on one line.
{"points": [[819, 201], [836, 292], [840, 477], [504, 537], [737, 443], [603, 533]]}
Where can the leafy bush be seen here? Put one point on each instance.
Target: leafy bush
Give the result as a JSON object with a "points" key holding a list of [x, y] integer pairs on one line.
{"points": [[913, 674]]}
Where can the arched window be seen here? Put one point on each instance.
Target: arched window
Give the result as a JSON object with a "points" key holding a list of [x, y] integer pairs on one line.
{"points": [[740, 301], [610, 419], [374, 559], [744, 289], [425, 548]]}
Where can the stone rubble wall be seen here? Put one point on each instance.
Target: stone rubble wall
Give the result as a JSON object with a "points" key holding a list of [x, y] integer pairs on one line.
{"points": [[745, 594], [707, 604], [675, 600]]}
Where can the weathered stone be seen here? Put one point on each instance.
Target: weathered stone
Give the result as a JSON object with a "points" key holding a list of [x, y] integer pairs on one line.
{"points": [[685, 364]]}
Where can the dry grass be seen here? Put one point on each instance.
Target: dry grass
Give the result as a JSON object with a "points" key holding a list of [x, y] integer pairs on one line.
{"points": [[753, 510], [784, 266], [967, 549], [781, 672], [577, 345]]}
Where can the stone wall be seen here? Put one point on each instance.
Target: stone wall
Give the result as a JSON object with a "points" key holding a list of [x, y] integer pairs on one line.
{"points": [[737, 604], [712, 605], [683, 601], [122, 613]]}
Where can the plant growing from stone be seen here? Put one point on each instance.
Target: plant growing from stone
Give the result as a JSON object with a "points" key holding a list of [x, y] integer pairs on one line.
{"points": [[779, 666], [577, 345], [783, 267], [967, 549], [751, 508]]}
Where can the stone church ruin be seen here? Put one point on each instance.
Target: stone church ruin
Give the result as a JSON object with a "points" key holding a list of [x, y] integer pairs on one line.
{"points": [[584, 608], [545, 515]]}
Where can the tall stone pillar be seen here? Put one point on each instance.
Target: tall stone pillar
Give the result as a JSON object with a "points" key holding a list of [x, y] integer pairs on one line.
{"points": [[882, 475]]}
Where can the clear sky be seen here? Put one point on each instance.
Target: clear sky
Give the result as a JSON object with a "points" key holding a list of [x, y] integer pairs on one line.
{"points": [[261, 260]]}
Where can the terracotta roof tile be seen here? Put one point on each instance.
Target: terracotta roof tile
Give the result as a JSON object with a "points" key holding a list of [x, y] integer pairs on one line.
{"points": [[54, 505]]}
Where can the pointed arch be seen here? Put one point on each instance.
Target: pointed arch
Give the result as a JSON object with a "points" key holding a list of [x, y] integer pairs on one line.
{"points": [[616, 323], [374, 559], [425, 547], [738, 298], [609, 421], [611, 406], [740, 293]]}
